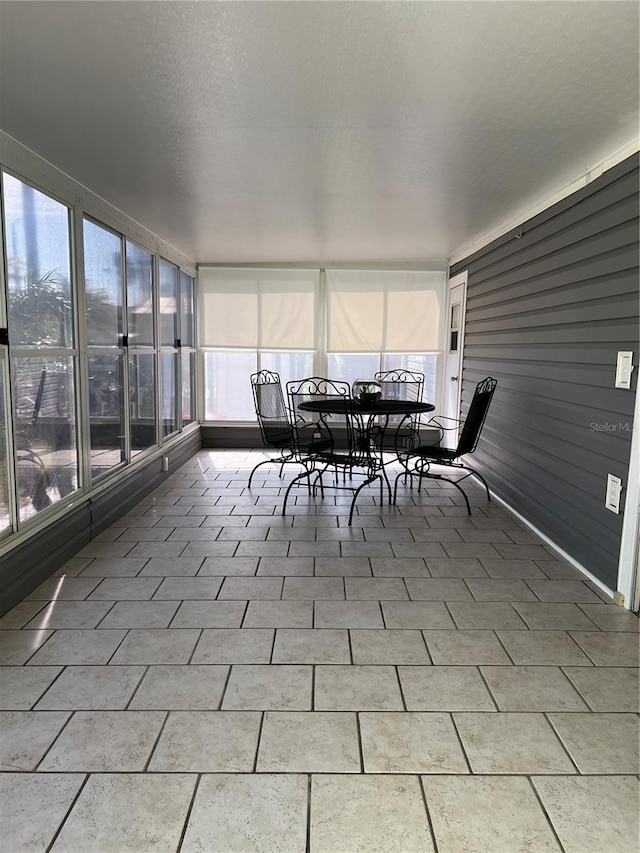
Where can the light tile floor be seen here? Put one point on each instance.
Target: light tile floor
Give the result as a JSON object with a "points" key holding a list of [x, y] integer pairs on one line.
{"points": [[210, 677]]}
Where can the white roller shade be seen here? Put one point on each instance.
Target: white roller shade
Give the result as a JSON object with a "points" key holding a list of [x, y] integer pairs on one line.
{"points": [[267, 308], [384, 310]]}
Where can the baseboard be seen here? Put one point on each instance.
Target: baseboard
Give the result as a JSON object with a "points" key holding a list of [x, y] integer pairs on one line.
{"points": [[231, 437], [556, 547]]}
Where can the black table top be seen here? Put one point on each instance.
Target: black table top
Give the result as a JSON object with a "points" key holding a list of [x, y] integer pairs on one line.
{"points": [[341, 406]]}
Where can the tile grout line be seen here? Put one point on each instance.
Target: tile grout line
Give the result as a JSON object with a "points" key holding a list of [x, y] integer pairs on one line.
{"points": [[451, 716], [68, 812], [562, 668], [402, 696], [156, 742], [63, 668], [137, 687], [428, 814], [536, 794], [51, 745], [359, 737], [486, 684], [308, 834], [195, 646], [224, 688], [273, 643], [559, 739], [187, 816], [244, 614], [421, 631], [495, 633], [127, 631], [258, 739]]}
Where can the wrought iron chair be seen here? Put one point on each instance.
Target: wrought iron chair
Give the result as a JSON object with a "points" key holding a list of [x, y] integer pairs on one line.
{"points": [[400, 384], [343, 455], [277, 429], [34, 481], [417, 460]]}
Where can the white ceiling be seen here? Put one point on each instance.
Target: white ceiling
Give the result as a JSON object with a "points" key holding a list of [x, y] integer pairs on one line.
{"points": [[284, 131]]}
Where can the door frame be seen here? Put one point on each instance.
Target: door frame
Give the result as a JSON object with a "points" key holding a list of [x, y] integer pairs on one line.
{"points": [[455, 281], [629, 563]]}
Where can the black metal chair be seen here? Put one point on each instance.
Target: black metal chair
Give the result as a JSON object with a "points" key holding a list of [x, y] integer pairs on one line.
{"points": [[325, 426], [418, 459], [343, 454], [34, 481], [399, 384], [273, 419], [277, 428]]}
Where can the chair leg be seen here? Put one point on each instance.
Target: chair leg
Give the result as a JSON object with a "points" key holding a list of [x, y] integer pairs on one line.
{"points": [[395, 487], [357, 492], [471, 473], [291, 484], [483, 481], [430, 476], [264, 462], [403, 475], [453, 483], [461, 490]]}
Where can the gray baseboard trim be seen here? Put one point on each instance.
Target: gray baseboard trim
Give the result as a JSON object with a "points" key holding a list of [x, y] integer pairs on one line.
{"points": [[232, 437], [26, 566]]}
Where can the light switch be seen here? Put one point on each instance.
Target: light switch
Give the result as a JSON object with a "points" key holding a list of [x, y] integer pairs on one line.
{"points": [[614, 489], [623, 370]]}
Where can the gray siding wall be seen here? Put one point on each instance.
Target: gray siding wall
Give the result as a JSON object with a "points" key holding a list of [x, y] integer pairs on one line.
{"points": [[548, 307]]}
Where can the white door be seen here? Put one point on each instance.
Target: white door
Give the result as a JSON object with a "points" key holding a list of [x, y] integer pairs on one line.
{"points": [[453, 353]]}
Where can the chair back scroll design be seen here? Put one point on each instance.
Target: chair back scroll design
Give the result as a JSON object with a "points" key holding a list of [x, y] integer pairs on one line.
{"points": [[401, 385], [333, 428]]}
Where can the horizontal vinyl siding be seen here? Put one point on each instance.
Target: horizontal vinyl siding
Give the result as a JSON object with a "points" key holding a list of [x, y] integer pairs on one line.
{"points": [[548, 308]]}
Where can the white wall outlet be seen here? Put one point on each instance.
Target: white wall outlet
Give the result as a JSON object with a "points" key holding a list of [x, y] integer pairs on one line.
{"points": [[614, 490], [165, 463], [624, 368]]}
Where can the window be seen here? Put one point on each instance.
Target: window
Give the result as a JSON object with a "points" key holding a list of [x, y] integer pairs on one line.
{"points": [[254, 319], [142, 354], [168, 274], [187, 344], [104, 295], [79, 386], [5, 516], [43, 364]]}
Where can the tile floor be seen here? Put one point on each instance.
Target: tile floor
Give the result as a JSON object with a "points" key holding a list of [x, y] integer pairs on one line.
{"points": [[209, 676]]}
